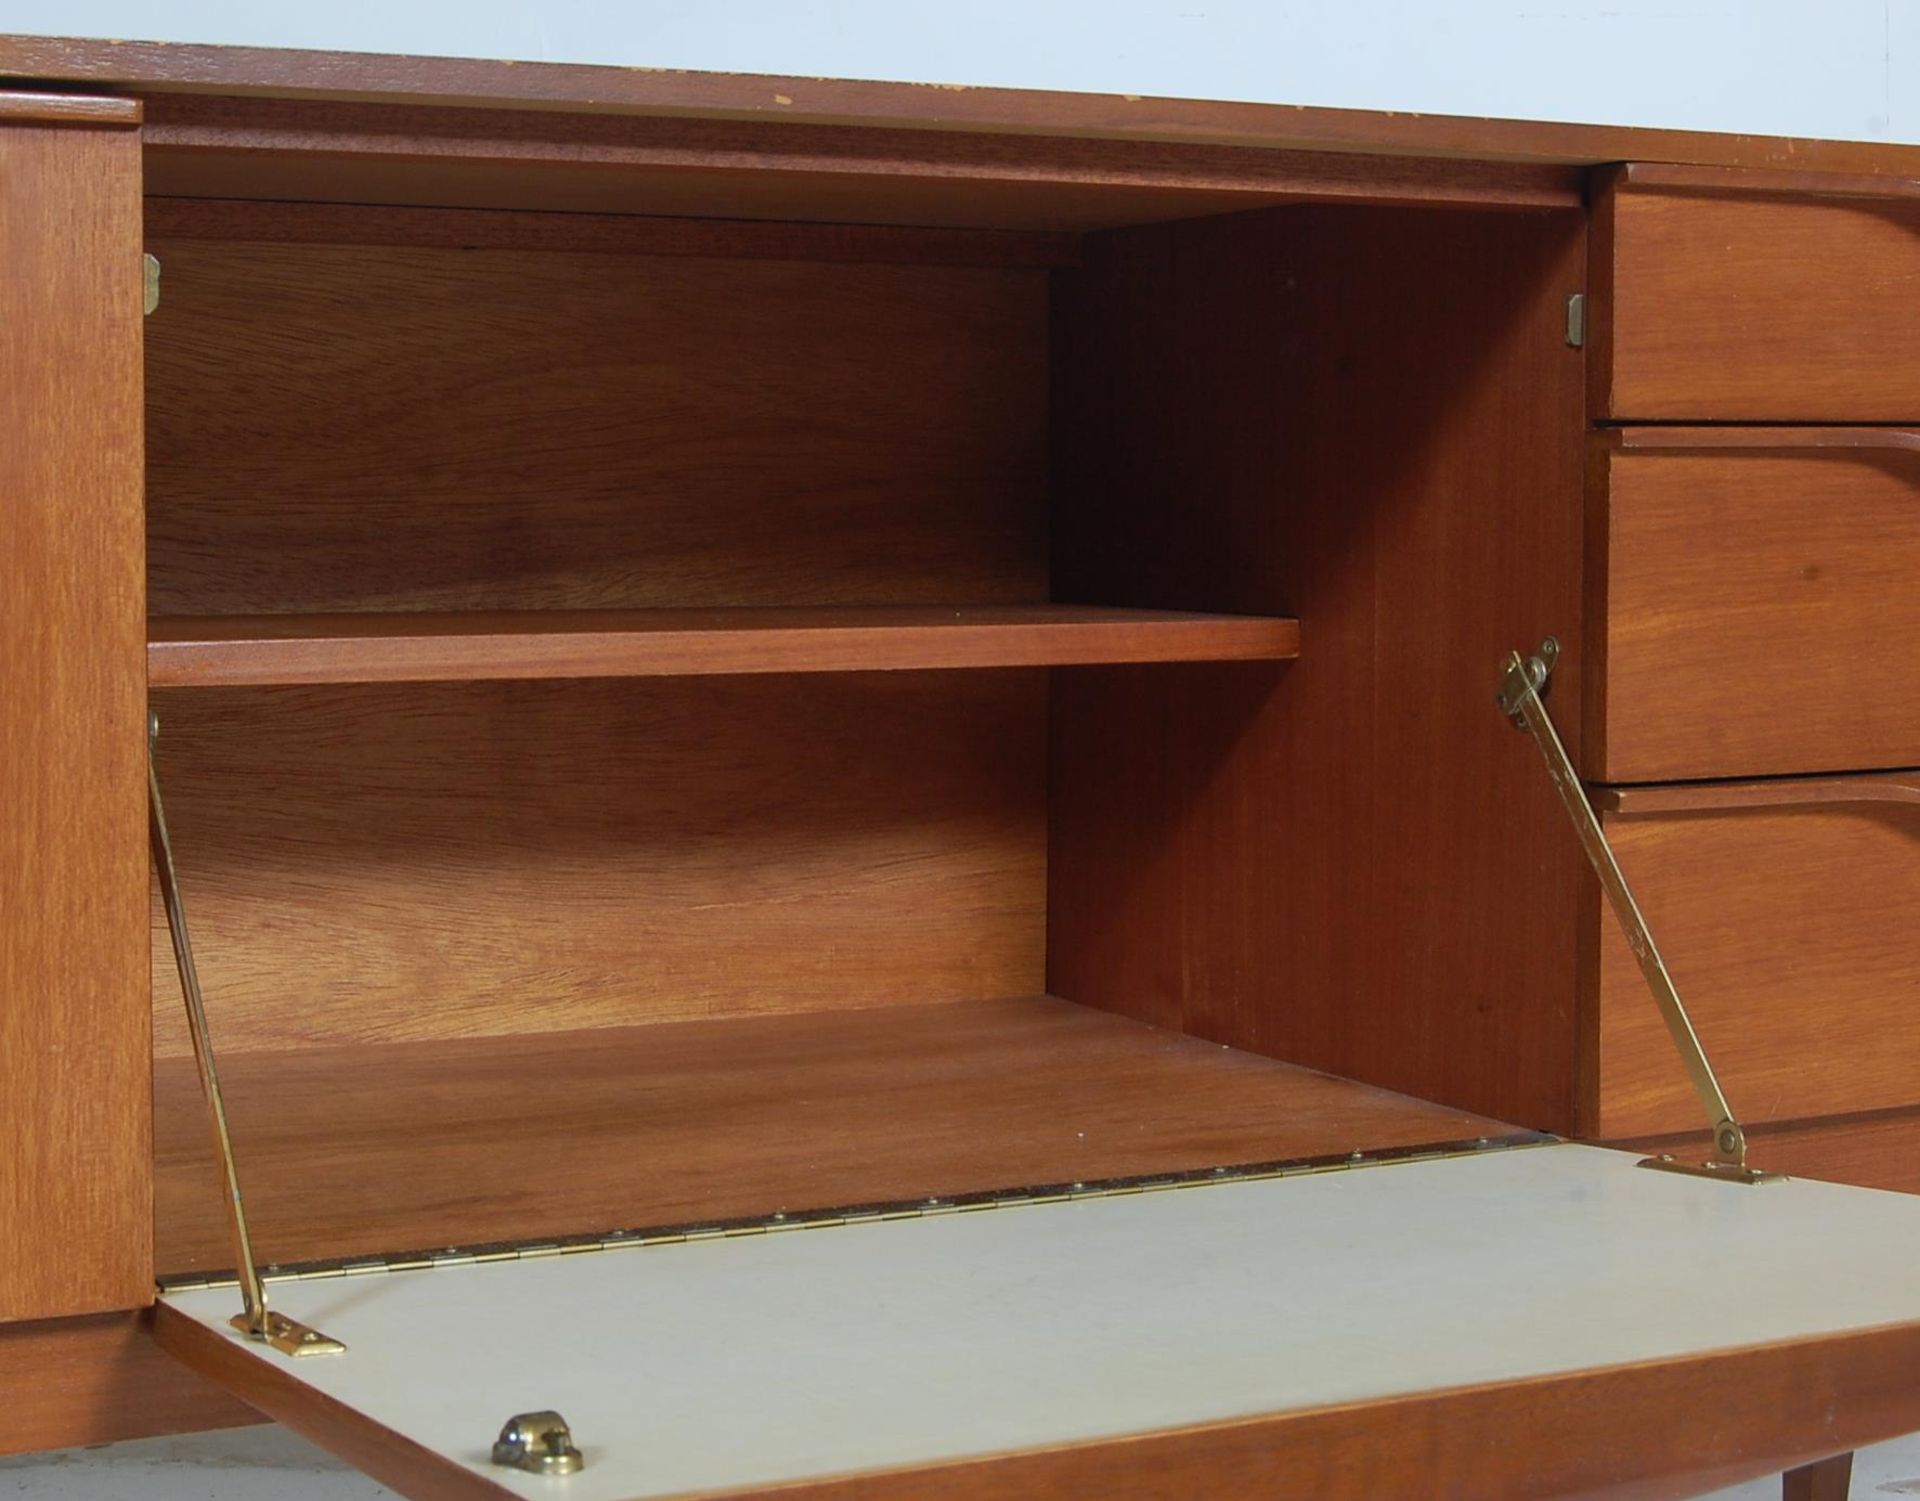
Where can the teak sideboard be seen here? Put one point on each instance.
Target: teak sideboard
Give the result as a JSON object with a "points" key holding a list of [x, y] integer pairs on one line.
{"points": [[832, 757]]}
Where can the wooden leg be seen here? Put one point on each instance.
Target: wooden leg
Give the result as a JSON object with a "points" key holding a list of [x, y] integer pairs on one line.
{"points": [[1824, 1480]]}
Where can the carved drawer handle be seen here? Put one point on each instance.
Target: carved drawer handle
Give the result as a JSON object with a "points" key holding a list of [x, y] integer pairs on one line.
{"points": [[1784, 792], [1769, 439]]}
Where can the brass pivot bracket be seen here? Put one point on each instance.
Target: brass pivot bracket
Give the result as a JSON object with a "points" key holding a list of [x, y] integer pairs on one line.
{"points": [[1521, 687], [256, 1321]]}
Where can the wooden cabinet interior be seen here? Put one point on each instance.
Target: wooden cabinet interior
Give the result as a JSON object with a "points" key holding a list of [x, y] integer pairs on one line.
{"points": [[723, 660], [384, 431], [356, 1151]]}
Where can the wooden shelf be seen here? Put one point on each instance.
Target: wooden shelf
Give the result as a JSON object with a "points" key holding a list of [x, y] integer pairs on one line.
{"points": [[350, 1151], [244, 651]]}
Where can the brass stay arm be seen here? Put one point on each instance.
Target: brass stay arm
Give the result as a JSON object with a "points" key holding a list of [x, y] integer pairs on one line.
{"points": [[1520, 700], [256, 1320]]}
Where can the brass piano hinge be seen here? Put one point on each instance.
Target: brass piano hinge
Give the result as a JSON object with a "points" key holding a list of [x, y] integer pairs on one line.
{"points": [[1521, 686], [868, 1214], [150, 282], [256, 1320]]}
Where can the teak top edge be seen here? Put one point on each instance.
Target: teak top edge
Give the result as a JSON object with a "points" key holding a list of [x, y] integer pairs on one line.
{"points": [[170, 67]]}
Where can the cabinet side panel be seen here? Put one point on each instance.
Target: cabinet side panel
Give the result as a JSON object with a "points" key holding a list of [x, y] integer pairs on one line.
{"points": [[74, 1094], [1369, 419], [69, 1382]]}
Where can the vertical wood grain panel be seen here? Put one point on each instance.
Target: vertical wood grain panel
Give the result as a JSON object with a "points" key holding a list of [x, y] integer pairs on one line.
{"points": [[1369, 419], [74, 1090]]}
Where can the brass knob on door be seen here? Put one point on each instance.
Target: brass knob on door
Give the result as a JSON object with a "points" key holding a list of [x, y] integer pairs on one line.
{"points": [[538, 1442]]}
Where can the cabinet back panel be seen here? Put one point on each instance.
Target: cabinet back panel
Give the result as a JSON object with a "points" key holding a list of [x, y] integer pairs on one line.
{"points": [[356, 427], [374, 864]]}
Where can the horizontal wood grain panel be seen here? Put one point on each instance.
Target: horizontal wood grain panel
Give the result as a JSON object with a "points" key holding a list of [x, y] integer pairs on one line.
{"points": [[1759, 601], [368, 864], [351, 1151], [266, 649], [1879, 1150], [273, 222], [1789, 932], [1752, 299], [353, 428]]}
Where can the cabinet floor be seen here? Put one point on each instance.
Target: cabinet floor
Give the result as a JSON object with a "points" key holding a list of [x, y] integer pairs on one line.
{"points": [[245, 1464]]}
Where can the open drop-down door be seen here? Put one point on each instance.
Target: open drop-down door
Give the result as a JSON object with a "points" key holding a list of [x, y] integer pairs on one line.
{"points": [[1537, 1321]]}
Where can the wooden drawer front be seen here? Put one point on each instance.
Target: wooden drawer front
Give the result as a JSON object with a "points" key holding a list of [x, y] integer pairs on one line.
{"points": [[1789, 929], [1762, 602], [1757, 296]]}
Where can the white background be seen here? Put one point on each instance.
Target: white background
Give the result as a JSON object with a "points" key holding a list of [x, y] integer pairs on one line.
{"points": [[1844, 68]]}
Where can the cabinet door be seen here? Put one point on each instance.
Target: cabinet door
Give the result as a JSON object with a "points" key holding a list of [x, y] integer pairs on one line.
{"points": [[1513, 1321], [75, 1165]]}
